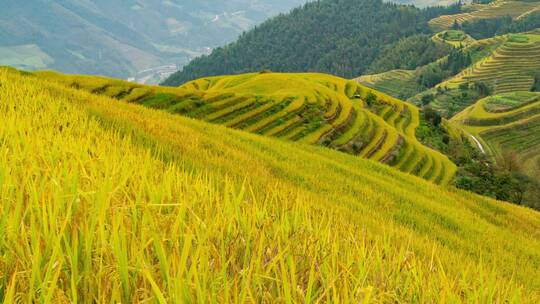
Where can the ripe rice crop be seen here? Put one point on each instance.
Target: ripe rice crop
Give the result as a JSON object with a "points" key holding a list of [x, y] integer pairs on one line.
{"points": [[105, 201]]}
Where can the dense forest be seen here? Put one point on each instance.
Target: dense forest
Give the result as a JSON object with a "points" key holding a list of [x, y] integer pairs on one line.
{"points": [[434, 73], [339, 37], [409, 53]]}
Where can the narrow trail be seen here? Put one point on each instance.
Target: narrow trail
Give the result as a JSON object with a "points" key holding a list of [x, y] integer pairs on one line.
{"points": [[479, 144]]}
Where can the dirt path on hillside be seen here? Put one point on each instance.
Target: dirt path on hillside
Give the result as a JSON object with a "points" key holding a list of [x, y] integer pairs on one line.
{"points": [[479, 144]]}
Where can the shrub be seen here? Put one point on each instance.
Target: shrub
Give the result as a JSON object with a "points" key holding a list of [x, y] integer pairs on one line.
{"points": [[431, 76], [427, 99], [483, 88], [432, 116], [371, 98], [536, 84], [464, 86]]}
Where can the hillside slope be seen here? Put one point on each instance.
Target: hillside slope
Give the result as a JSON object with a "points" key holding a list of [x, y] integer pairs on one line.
{"points": [[309, 108], [504, 35], [107, 201], [122, 38]]}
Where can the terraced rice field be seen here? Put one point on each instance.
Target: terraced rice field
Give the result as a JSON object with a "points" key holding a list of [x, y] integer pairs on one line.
{"points": [[507, 123], [499, 8], [307, 108], [402, 83], [105, 201], [397, 83], [509, 68]]}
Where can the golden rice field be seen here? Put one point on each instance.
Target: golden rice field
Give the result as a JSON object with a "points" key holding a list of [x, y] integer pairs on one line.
{"points": [[105, 201], [307, 108], [497, 8]]}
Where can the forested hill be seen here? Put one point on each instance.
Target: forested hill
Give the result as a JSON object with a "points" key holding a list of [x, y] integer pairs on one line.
{"points": [[338, 37]]}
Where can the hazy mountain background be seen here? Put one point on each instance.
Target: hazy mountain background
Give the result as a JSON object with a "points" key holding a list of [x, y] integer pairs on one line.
{"points": [[121, 38]]}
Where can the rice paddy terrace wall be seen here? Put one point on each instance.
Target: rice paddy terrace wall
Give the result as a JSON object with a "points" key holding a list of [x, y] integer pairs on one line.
{"points": [[498, 8], [307, 108], [511, 67]]}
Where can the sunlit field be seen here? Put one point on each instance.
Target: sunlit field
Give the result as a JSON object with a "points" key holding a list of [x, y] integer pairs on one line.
{"points": [[106, 201]]}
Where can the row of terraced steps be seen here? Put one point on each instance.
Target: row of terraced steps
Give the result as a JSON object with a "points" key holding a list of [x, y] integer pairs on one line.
{"points": [[394, 83], [510, 68]]}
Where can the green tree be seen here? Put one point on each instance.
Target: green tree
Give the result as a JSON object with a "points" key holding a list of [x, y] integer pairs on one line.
{"points": [[371, 98], [432, 116], [427, 99]]}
